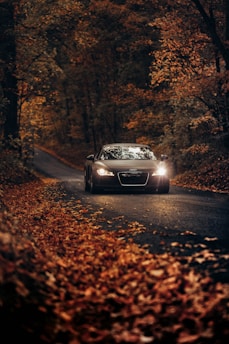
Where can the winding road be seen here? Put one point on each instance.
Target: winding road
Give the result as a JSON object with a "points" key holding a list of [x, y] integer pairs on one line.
{"points": [[183, 222]]}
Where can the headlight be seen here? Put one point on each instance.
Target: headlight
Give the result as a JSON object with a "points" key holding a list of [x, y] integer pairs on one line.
{"points": [[161, 171], [103, 172]]}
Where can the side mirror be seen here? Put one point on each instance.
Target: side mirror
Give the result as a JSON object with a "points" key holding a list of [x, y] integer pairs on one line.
{"points": [[164, 157], [90, 157]]}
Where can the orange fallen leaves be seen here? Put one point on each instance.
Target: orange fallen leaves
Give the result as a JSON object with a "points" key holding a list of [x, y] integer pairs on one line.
{"points": [[212, 177], [63, 279]]}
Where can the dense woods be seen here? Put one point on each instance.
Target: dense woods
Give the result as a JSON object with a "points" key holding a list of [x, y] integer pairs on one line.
{"points": [[83, 73], [74, 75]]}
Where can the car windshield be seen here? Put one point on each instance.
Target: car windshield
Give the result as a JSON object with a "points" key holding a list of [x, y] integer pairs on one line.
{"points": [[127, 153]]}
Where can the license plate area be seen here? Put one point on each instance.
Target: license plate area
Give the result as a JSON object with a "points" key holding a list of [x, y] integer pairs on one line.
{"points": [[135, 178]]}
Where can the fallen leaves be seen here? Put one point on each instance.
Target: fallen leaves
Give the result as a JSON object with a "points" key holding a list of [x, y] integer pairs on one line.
{"points": [[63, 279], [212, 177]]}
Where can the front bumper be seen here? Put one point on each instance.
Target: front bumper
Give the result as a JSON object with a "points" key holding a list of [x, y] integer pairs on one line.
{"points": [[127, 181]]}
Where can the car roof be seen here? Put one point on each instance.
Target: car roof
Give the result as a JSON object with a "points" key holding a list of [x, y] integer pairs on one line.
{"points": [[123, 144]]}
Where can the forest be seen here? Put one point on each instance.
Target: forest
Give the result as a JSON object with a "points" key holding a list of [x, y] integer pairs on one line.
{"points": [[83, 73], [77, 74]]}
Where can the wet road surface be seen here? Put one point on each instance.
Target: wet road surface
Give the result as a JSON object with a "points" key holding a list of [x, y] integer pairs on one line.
{"points": [[183, 222]]}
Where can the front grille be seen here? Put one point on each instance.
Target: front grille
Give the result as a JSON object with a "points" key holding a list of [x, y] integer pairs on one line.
{"points": [[133, 178]]}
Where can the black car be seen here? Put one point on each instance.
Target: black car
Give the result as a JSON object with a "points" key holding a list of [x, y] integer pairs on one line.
{"points": [[126, 166]]}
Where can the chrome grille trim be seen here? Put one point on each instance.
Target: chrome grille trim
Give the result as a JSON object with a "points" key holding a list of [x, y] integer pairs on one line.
{"points": [[133, 178]]}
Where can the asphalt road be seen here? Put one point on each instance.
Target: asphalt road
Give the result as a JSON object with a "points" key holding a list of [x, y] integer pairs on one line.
{"points": [[183, 222]]}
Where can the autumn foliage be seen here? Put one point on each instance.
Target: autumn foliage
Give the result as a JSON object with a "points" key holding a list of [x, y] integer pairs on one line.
{"points": [[64, 279], [73, 75], [83, 73]]}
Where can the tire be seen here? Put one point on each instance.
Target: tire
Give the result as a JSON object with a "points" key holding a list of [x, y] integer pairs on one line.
{"points": [[92, 188], [86, 184], [163, 188]]}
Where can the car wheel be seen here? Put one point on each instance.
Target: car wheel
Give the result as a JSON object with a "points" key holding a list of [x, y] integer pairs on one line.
{"points": [[86, 184], [92, 188], [163, 188]]}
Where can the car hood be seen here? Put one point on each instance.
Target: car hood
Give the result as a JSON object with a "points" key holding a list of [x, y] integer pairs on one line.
{"points": [[123, 165]]}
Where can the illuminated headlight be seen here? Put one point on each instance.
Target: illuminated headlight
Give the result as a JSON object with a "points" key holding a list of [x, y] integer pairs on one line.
{"points": [[103, 172], [161, 171]]}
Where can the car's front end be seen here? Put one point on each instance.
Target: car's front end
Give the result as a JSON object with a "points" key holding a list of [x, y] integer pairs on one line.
{"points": [[142, 175]]}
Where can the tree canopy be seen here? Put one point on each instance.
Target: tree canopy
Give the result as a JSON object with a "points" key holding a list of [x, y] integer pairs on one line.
{"points": [[89, 72]]}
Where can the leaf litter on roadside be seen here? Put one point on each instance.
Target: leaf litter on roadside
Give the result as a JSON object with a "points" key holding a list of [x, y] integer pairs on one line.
{"points": [[63, 279]]}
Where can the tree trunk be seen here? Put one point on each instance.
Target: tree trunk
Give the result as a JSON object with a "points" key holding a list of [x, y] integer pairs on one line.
{"points": [[9, 81], [220, 46], [209, 21]]}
